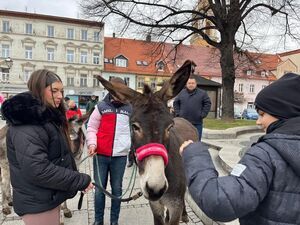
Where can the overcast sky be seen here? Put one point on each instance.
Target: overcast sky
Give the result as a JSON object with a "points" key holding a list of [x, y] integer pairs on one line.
{"points": [[65, 8], [70, 8]]}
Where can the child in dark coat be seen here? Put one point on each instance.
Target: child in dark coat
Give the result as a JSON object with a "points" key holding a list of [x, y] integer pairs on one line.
{"points": [[264, 187]]}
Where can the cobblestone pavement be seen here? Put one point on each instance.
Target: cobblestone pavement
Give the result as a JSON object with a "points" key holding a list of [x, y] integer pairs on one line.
{"points": [[133, 213]]}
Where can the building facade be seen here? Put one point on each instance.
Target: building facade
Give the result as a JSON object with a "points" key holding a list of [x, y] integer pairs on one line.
{"points": [[72, 48]]}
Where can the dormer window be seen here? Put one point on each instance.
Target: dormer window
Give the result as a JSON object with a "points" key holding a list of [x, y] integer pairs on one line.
{"points": [[121, 61], [263, 73], [249, 72], [160, 66], [257, 61]]}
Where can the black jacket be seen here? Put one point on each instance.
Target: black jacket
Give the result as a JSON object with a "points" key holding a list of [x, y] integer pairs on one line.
{"points": [[192, 106], [43, 172], [263, 189]]}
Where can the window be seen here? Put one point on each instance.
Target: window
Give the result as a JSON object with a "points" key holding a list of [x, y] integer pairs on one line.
{"points": [[70, 80], [28, 29], [141, 81], [50, 54], [26, 76], [5, 26], [126, 79], [152, 83], [139, 63], [251, 88], [96, 58], [4, 74], [50, 31], [160, 66], [70, 33], [249, 72], [241, 86], [263, 73], [70, 56], [121, 62], [28, 52], [96, 82], [96, 36], [83, 57], [83, 80], [5, 52], [84, 35]]}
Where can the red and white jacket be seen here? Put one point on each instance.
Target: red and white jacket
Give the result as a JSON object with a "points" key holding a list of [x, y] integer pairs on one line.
{"points": [[109, 130]]}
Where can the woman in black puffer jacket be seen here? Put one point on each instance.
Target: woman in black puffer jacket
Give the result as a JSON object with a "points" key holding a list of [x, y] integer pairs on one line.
{"points": [[43, 172]]}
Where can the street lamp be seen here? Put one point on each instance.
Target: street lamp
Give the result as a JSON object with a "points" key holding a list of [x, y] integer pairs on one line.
{"points": [[9, 62]]}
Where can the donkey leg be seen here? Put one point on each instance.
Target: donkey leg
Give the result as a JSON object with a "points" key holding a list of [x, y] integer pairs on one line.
{"points": [[158, 212], [67, 212], [184, 216], [174, 209], [5, 187]]}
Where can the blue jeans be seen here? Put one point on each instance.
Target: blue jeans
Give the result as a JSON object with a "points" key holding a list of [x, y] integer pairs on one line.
{"points": [[115, 167], [199, 128]]}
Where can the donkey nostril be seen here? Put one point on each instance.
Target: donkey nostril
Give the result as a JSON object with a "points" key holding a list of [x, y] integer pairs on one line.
{"points": [[155, 194]]}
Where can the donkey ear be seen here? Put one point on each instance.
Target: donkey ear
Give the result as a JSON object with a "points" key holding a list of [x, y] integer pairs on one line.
{"points": [[121, 91], [172, 87]]}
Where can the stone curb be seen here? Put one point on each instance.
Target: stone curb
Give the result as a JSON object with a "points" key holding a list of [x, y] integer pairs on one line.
{"points": [[229, 133]]}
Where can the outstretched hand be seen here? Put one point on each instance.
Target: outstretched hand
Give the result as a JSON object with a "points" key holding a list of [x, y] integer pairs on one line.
{"points": [[184, 145], [92, 150]]}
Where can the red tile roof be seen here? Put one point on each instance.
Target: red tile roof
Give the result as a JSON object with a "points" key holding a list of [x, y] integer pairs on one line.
{"points": [[133, 50], [206, 59]]}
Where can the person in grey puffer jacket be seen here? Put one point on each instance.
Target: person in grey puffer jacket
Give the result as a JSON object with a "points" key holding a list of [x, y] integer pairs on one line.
{"points": [[264, 187], [43, 171]]}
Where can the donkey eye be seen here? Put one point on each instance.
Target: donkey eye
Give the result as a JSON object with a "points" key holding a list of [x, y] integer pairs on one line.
{"points": [[135, 127], [169, 127]]}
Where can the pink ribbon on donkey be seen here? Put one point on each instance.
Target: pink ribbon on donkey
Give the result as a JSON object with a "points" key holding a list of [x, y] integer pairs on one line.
{"points": [[152, 149]]}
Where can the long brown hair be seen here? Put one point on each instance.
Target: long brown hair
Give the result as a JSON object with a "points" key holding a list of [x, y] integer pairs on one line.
{"points": [[37, 83]]}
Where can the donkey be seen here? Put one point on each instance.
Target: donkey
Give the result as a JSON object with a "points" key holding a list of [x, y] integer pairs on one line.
{"points": [[4, 174], [156, 139]]}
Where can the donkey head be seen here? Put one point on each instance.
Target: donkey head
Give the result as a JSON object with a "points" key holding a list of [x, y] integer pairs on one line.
{"points": [[150, 124], [76, 135]]}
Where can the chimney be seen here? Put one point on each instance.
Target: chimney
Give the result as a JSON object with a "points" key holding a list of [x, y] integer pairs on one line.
{"points": [[114, 35], [148, 38]]}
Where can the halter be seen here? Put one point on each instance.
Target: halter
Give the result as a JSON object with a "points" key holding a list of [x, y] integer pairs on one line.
{"points": [[152, 149]]}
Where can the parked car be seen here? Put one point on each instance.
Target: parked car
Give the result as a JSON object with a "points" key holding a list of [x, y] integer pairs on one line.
{"points": [[250, 114], [237, 113]]}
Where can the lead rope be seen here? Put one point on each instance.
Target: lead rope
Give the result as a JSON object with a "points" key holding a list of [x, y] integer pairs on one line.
{"points": [[100, 186]]}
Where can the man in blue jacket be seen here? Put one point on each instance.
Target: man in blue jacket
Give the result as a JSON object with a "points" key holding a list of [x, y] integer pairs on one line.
{"points": [[193, 104]]}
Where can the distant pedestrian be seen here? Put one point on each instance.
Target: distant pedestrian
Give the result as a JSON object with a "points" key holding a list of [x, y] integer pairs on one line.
{"points": [[73, 111], [108, 138], [90, 106], [193, 104], [43, 171], [264, 187]]}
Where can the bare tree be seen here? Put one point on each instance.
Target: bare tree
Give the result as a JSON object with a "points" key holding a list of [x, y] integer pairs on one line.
{"points": [[178, 20]]}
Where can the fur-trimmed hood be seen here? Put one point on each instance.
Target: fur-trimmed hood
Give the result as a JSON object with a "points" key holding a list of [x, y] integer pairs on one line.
{"points": [[24, 108]]}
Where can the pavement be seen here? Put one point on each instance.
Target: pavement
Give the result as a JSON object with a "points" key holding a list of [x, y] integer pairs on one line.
{"points": [[225, 151]]}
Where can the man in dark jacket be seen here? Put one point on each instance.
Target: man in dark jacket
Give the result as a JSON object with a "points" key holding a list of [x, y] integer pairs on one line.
{"points": [[193, 104], [91, 104], [264, 187]]}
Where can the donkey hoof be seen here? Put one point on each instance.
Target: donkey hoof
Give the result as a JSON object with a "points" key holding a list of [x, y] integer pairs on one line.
{"points": [[67, 213], [185, 218], [10, 204], [6, 211]]}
